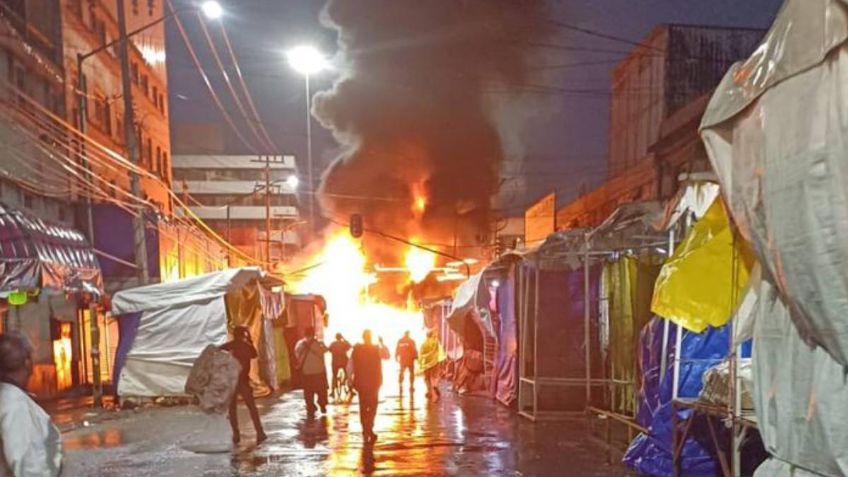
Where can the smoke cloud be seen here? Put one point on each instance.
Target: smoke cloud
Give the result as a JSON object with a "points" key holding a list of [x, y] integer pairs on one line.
{"points": [[411, 111]]}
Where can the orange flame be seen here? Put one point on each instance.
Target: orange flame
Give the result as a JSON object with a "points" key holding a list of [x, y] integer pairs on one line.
{"points": [[419, 200], [342, 279], [419, 262]]}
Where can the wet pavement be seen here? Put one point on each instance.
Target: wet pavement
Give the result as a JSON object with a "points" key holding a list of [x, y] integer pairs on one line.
{"points": [[458, 436]]}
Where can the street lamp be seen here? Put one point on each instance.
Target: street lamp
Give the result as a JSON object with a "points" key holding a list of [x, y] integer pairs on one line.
{"points": [[293, 182], [308, 60], [212, 10]]}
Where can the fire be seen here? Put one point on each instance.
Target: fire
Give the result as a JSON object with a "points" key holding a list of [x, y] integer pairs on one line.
{"points": [[419, 200], [341, 277], [420, 263], [420, 204]]}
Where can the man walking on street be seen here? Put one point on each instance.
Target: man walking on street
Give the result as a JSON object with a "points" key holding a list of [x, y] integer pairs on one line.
{"points": [[430, 358], [310, 361], [339, 350], [243, 351], [30, 445], [406, 353], [367, 379]]}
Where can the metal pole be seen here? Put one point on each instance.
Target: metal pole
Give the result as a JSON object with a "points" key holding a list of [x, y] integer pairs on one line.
{"points": [[229, 233], [139, 238], [313, 196], [268, 209], [666, 323], [587, 313], [96, 383], [536, 345]]}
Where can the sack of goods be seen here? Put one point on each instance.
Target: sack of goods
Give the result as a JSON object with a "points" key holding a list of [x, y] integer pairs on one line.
{"points": [[213, 379]]}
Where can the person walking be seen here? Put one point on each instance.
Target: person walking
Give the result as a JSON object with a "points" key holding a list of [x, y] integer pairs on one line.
{"points": [[406, 352], [430, 358], [30, 444], [309, 352], [338, 351], [367, 380], [241, 347]]}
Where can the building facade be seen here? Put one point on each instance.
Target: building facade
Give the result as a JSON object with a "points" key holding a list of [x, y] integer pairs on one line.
{"points": [[87, 25], [229, 194], [674, 65], [659, 93]]}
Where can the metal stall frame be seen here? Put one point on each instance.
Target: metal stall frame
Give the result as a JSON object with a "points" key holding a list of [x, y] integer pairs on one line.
{"points": [[530, 381]]}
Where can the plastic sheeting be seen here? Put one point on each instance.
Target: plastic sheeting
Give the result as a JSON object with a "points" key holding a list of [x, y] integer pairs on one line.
{"points": [[472, 299], [651, 454], [506, 367], [776, 132], [628, 285], [800, 395], [198, 289], [35, 254], [167, 341], [711, 250]]}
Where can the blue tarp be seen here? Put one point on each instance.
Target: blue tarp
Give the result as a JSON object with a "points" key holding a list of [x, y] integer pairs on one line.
{"points": [[128, 328], [651, 454]]}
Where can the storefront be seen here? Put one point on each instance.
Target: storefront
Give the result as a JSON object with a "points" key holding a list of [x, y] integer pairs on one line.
{"points": [[49, 277]]}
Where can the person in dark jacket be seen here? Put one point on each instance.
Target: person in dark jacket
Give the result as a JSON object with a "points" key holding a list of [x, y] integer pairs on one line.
{"points": [[241, 347], [406, 353], [367, 379]]}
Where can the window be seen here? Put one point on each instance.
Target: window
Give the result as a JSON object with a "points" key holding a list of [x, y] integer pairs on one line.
{"points": [[166, 167], [155, 97], [103, 114], [157, 166], [135, 73], [145, 85], [149, 152], [162, 103]]}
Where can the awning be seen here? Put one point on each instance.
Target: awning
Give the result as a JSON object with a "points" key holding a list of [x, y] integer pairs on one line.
{"points": [[472, 297], [35, 254]]}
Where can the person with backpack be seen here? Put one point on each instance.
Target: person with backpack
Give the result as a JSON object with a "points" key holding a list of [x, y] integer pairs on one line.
{"points": [[309, 353]]}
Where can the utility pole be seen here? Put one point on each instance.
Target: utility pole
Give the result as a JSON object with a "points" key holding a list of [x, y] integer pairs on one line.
{"points": [[268, 209], [139, 238]]}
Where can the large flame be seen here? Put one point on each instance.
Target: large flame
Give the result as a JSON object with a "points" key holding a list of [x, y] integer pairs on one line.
{"points": [[342, 278], [420, 263]]}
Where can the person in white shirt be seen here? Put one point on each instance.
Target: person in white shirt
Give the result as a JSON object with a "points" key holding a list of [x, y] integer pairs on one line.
{"points": [[30, 445], [309, 353]]}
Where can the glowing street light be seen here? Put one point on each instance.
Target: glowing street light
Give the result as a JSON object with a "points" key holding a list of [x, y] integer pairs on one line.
{"points": [[293, 182], [212, 9], [308, 60]]}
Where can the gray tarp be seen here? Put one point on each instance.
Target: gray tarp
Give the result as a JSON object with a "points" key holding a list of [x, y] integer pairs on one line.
{"points": [[776, 131]]}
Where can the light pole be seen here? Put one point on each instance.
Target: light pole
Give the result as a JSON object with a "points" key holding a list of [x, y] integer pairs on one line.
{"points": [[212, 10], [308, 60]]}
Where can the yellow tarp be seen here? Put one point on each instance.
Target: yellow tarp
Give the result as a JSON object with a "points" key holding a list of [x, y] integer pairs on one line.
{"points": [[703, 282]]}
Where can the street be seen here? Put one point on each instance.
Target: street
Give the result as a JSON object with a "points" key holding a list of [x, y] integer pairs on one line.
{"points": [[457, 436]]}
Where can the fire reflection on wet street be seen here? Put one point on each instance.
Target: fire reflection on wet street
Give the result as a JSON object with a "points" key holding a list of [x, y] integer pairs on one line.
{"points": [[457, 436]]}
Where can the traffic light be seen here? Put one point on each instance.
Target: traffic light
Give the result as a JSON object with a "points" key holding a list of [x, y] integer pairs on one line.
{"points": [[356, 227]]}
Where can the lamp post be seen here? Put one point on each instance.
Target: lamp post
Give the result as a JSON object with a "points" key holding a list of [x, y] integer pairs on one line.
{"points": [[212, 10], [308, 60]]}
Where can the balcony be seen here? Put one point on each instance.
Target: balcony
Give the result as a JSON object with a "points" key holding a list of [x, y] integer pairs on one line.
{"points": [[242, 212]]}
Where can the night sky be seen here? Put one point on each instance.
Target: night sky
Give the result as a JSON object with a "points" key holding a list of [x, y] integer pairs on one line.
{"points": [[562, 136]]}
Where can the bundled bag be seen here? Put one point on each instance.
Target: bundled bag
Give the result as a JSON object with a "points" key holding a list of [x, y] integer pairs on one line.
{"points": [[213, 379]]}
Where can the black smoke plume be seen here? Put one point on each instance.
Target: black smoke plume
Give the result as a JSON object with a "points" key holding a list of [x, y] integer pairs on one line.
{"points": [[412, 111]]}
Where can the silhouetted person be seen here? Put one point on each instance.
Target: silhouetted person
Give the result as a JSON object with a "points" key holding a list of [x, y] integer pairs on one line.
{"points": [[430, 365], [241, 347], [339, 350], [310, 358], [367, 379], [30, 444], [406, 353]]}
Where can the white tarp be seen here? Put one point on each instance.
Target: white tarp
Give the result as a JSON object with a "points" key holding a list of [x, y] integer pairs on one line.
{"points": [[776, 131], [783, 162], [201, 288], [167, 343], [471, 296], [178, 320]]}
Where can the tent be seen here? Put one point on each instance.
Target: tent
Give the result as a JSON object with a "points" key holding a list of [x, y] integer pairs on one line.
{"points": [[776, 131], [164, 328]]}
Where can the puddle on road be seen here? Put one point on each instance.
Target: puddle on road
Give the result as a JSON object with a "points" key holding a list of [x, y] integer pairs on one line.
{"points": [[94, 440]]}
